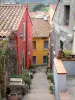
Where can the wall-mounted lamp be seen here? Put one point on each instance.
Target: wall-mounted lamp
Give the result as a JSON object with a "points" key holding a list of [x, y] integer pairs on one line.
{"points": [[21, 35]]}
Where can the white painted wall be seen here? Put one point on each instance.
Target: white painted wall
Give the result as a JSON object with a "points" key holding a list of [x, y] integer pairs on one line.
{"points": [[60, 83], [56, 84], [70, 67]]}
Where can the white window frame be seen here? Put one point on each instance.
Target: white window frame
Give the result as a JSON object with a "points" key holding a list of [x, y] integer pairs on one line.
{"points": [[23, 55], [28, 46], [24, 31]]}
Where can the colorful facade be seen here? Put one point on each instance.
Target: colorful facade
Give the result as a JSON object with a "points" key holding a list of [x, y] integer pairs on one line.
{"points": [[24, 45], [40, 40], [16, 20]]}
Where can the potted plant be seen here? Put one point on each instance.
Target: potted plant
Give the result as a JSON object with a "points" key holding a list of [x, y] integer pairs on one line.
{"points": [[59, 54], [52, 88], [67, 53], [26, 77]]}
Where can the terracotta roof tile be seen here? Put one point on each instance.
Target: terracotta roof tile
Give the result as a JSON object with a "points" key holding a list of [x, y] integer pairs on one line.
{"points": [[41, 27], [10, 17]]}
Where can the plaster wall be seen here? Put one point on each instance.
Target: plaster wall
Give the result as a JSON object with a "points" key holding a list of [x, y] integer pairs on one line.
{"points": [[64, 33], [70, 67], [60, 83], [39, 52], [56, 84]]}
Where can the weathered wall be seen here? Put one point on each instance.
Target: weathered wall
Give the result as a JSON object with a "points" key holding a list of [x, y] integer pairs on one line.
{"points": [[62, 32]]}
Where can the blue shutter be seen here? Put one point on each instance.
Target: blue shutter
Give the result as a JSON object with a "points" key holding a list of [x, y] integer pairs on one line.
{"points": [[34, 59], [44, 59]]}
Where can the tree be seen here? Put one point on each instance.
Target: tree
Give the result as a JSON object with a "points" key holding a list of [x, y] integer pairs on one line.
{"points": [[38, 7]]}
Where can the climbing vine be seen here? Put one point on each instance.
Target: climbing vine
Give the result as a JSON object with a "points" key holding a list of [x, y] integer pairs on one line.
{"points": [[3, 53]]}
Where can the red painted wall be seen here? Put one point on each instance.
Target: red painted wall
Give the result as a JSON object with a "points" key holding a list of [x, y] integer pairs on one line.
{"points": [[22, 45], [29, 38]]}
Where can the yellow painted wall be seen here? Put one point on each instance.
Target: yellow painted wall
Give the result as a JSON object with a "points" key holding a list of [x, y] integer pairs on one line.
{"points": [[39, 52]]}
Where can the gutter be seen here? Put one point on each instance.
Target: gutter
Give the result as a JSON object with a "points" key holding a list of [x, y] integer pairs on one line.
{"points": [[55, 9]]}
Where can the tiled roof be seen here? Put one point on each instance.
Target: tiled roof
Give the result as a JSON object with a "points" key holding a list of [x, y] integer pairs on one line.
{"points": [[41, 27], [37, 13], [53, 6], [10, 17]]}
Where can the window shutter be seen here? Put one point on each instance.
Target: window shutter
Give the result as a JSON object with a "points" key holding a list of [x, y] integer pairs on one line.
{"points": [[24, 30], [29, 46]]}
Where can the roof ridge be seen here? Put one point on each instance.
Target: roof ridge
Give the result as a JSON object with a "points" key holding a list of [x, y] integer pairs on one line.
{"points": [[1, 5]]}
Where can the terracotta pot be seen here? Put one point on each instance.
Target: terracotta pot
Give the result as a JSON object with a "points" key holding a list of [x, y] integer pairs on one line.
{"points": [[59, 55], [13, 97]]}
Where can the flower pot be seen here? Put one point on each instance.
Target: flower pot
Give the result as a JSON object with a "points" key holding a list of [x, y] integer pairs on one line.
{"points": [[13, 97], [59, 55], [73, 56]]}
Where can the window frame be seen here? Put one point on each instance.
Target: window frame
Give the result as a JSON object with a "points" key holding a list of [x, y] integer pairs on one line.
{"points": [[33, 60], [61, 45], [24, 31], [23, 60], [65, 15], [35, 45], [44, 60], [44, 45], [28, 46]]}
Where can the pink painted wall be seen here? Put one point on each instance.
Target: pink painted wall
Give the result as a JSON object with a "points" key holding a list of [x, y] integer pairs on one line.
{"points": [[22, 45]]}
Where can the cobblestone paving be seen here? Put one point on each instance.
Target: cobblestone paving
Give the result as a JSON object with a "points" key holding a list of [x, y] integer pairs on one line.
{"points": [[39, 89]]}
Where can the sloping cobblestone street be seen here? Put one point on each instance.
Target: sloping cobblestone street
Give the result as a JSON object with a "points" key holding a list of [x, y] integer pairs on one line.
{"points": [[40, 87]]}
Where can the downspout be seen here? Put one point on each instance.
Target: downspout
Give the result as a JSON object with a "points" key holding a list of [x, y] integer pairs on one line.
{"points": [[26, 36]]}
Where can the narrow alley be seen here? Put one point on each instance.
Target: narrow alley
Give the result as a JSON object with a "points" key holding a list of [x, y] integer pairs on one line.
{"points": [[40, 87]]}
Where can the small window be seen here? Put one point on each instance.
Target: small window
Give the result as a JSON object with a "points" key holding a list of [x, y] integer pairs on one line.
{"points": [[44, 59], [29, 46], [23, 60], [61, 45], [45, 44], [22, 64], [34, 59], [24, 30], [34, 45], [66, 14]]}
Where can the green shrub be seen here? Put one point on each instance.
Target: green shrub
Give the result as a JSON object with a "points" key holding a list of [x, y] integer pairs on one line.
{"points": [[49, 75], [15, 76], [67, 53], [52, 88], [26, 77]]}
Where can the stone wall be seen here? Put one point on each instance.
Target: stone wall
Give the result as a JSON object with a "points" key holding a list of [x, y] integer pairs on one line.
{"points": [[60, 31]]}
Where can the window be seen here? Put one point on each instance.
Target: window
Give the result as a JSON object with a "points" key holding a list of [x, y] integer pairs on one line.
{"points": [[34, 59], [23, 59], [66, 14], [61, 45], [34, 45], [24, 30], [29, 46], [22, 62], [45, 44], [44, 59]]}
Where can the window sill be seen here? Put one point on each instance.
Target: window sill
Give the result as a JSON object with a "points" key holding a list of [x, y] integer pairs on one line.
{"points": [[34, 49], [45, 49]]}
